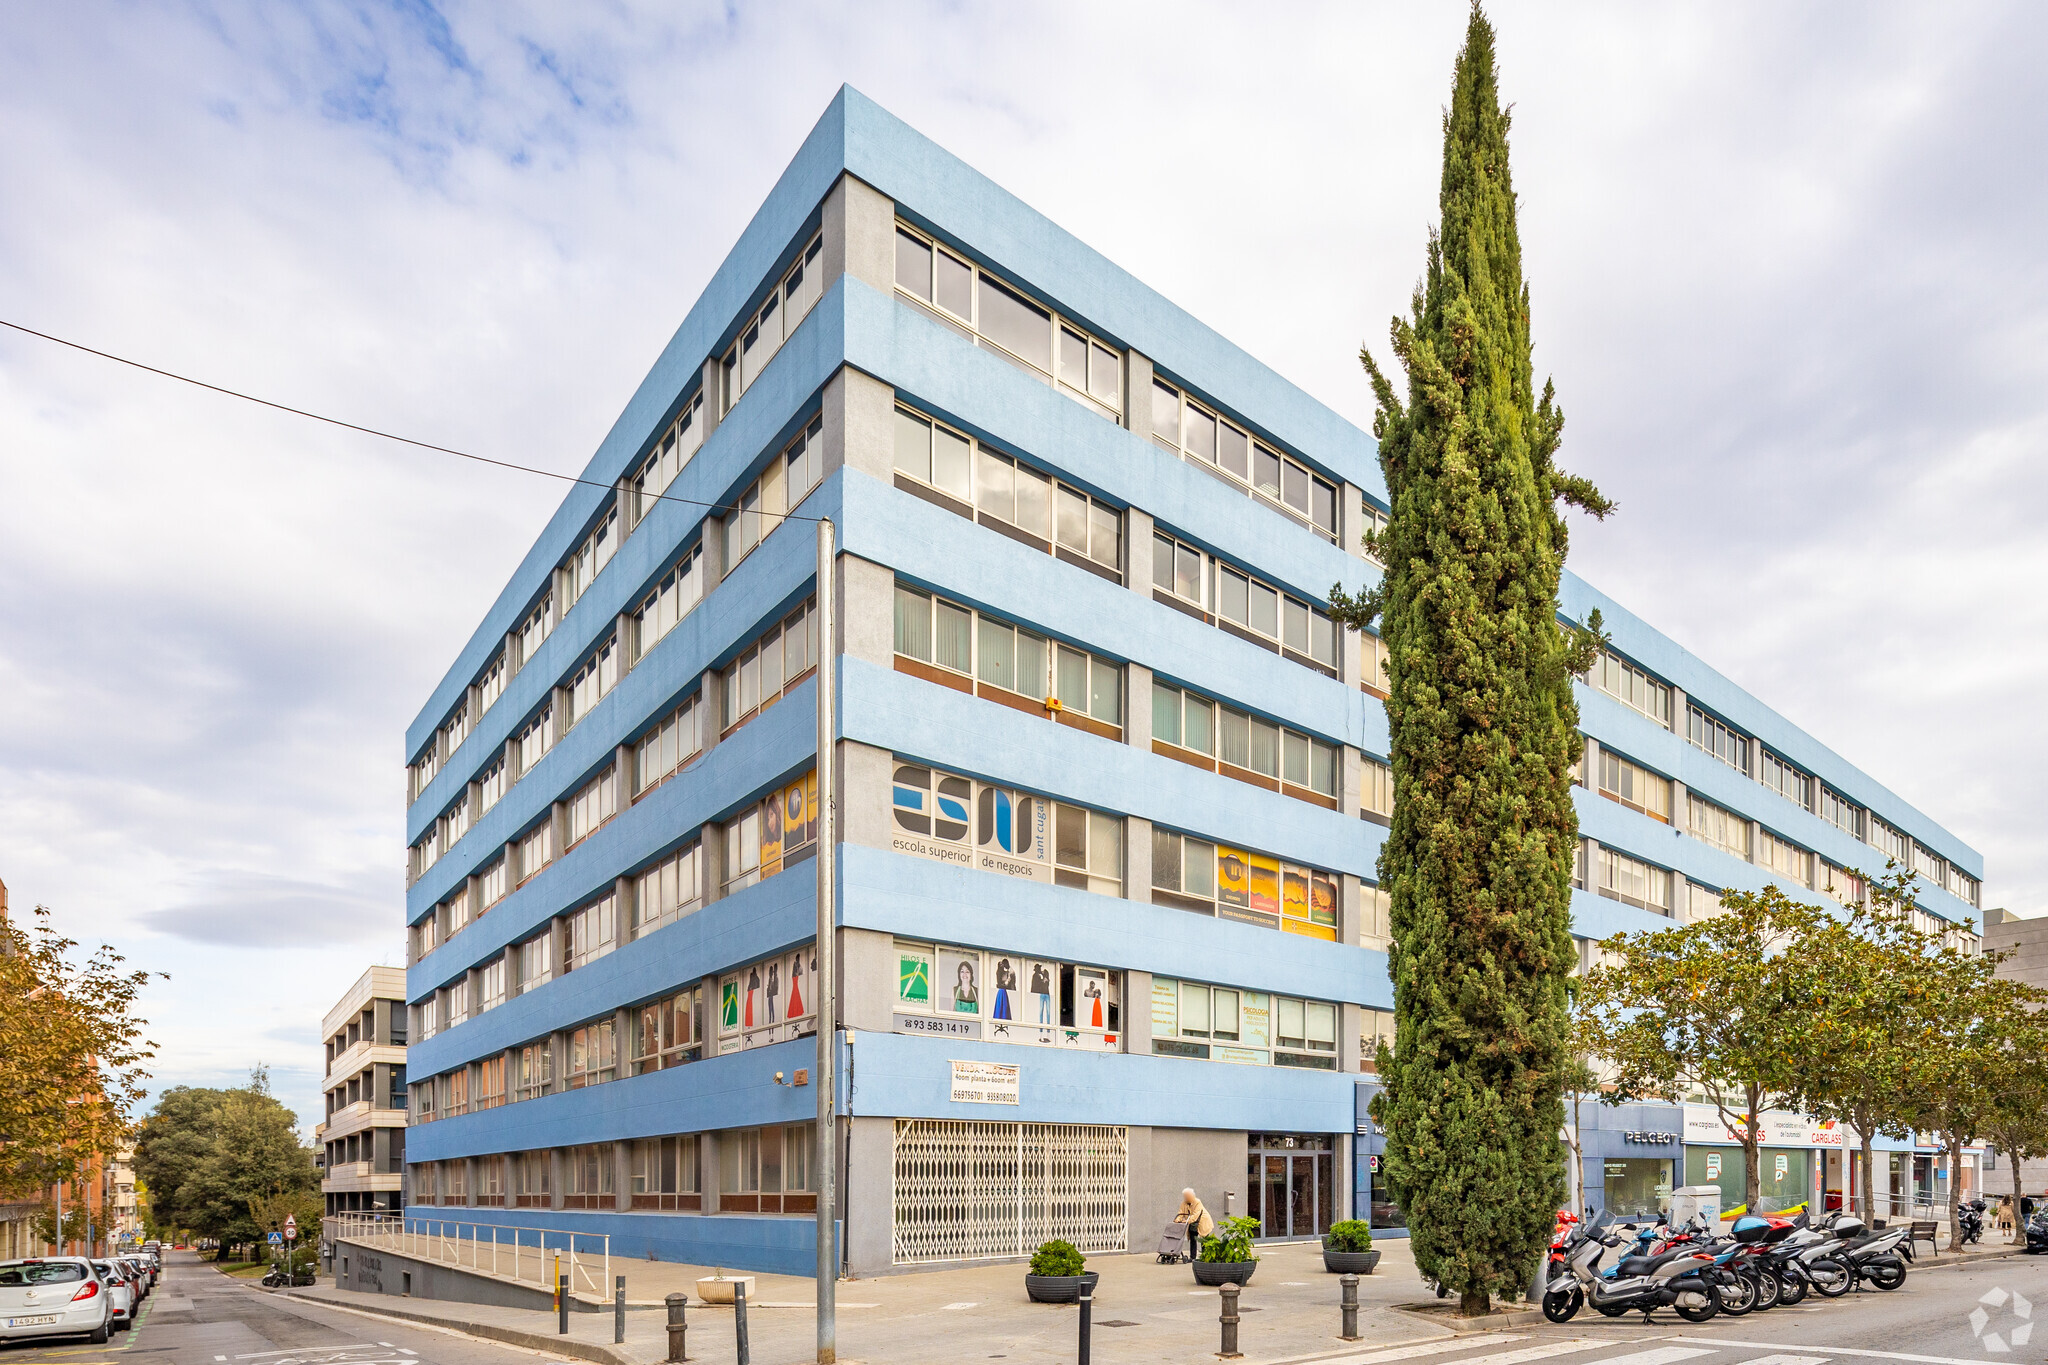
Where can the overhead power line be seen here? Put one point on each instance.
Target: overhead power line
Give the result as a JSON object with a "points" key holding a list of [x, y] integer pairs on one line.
{"points": [[373, 431]]}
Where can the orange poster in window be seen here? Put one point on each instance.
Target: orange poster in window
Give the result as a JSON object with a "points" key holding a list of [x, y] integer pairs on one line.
{"points": [[771, 837], [1265, 883], [1233, 876]]}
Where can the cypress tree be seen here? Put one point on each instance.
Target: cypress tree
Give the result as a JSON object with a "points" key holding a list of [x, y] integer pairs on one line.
{"points": [[1478, 862]]}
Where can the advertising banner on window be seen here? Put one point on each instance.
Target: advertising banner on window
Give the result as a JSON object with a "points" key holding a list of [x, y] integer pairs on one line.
{"points": [[984, 1083]]}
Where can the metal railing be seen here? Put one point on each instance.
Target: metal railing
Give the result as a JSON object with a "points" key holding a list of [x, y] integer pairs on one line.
{"points": [[523, 1254]]}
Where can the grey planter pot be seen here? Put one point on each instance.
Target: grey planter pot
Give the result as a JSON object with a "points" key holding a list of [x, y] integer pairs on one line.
{"points": [[1213, 1273], [1060, 1288], [1350, 1262]]}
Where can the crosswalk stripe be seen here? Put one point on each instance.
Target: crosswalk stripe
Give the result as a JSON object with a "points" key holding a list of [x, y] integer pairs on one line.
{"points": [[1787, 1360], [1415, 1349], [1833, 1351], [1548, 1348], [1663, 1355]]}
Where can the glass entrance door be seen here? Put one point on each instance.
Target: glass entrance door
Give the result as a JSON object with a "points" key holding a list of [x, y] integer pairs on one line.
{"points": [[1292, 1182]]}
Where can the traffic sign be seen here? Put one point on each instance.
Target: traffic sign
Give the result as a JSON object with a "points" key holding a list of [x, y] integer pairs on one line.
{"points": [[291, 1226], [277, 1239]]}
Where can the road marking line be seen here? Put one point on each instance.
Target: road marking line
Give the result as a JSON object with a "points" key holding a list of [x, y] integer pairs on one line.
{"points": [[1724, 1343], [387, 1345], [220, 1357], [1431, 1347], [1548, 1348], [1663, 1355], [957, 1307], [1787, 1360]]}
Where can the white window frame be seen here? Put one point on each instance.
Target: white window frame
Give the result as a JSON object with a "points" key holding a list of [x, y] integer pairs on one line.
{"points": [[1177, 423]]}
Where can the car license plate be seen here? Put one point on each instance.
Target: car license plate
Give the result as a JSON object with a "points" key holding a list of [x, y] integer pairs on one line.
{"points": [[32, 1322]]}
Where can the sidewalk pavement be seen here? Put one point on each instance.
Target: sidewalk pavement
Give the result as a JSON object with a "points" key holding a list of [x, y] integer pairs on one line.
{"points": [[1144, 1312]]}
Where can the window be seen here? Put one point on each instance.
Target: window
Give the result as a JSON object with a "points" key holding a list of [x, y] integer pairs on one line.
{"points": [[671, 453], [1928, 864], [493, 883], [777, 662], [949, 992], [1717, 739], [455, 911], [589, 560], [1376, 521], [422, 1109], [596, 802], [1088, 850], [779, 832], [536, 627], [536, 960], [1632, 687], [1891, 842], [1787, 781], [456, 728], [680, 589], [763, 332], [1376, 793], [1016, 666], [1840, 813], [783, 485], [1196, 730], [535, 739], [422, 770], [1634, 882], [1635, 786], [664, 893], [491, 984], [770, 1001], [668, 1032], [1054, 350], [1375, 919], [588, 934], [454, 1087], [491, 685], [590, 683], [1191, 873], [425, 853], [587, 1176], [490, 1082], [675, 739], [1009, 494], [455, 821], [428, 1017], [533, 1070], [1372, 665], [426, 936], [593, 1056], [766, 1170], [491, 785], [532, 1179], [1844, 885], [1225, 596], [1723, 829], [1223, 1024], [1215, 443], [1786, 859], [536, 849], [665, 1173]]}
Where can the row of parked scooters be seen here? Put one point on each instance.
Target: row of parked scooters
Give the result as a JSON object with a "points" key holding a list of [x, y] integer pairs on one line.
{"points": [[1761, 1263]]}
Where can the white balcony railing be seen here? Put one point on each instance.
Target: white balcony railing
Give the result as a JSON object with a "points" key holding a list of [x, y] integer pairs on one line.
{"points": [[526, 1255]]}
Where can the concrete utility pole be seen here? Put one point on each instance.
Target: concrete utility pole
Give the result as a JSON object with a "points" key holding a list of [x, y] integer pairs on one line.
{"points": [[826, 980]]}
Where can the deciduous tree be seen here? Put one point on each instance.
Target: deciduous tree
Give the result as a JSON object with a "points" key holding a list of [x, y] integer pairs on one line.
{"points": [[219, 1150], [1484, 731]]}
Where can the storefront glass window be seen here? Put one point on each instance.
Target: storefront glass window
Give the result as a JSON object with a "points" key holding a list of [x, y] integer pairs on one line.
{"points": [[1637, 1187], [1786, 1182], [1385, 1213], [1720, 1166]]}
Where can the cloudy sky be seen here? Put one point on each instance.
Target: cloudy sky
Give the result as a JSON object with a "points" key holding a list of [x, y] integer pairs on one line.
{"points": [[1787, 267]]}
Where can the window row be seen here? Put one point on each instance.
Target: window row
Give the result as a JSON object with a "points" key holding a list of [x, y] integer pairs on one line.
{"points": [[998, 491], [1634, 786], [783, 657], [1191, 873], [778, 831], [774, 322], [1223, 595], [759, 1170], [1620, 877], [1631, 686], [680, 440], [1191, 728], [583, 566], [948, 992], [1215, 443], [1050, 348], [952, 819], [1224, 1024], [974, 652], [776, 492]]}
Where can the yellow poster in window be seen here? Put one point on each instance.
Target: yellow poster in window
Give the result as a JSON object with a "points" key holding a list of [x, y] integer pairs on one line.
{"points": [[1265, 883], [1233, 876], [771, 836]]}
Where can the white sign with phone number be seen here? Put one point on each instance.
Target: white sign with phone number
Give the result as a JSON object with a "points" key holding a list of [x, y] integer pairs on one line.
{"points": [[984, 1083]]}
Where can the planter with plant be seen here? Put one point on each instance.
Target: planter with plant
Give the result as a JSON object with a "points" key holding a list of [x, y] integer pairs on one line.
{"points": [[1057, 1274], [1347, 1248], [1227, 1256]]}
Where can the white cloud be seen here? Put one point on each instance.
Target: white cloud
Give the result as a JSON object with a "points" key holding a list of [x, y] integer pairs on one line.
{"points": [[1784, 268]]}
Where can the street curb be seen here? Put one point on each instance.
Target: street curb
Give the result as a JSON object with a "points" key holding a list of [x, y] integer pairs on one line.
{"points": [[1498, 1320], [511, 1336], [1961, 1261]]}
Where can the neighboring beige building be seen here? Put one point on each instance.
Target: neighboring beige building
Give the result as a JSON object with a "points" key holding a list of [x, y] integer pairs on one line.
{"points": [[2027, 941], [362, 1140]]}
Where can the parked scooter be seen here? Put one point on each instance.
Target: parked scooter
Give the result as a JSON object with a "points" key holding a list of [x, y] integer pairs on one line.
{"points": [[1970, 1219], [1870, 1257], [1683, 1278]]}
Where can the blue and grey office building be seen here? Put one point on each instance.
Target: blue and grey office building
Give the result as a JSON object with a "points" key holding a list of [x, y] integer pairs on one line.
{"points": [[1111, 785]]}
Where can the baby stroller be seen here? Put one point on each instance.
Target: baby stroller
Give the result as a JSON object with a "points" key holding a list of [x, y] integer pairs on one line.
{"points": [[1173, 1244]]}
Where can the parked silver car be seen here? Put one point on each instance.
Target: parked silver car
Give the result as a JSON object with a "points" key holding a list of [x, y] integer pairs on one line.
{"points": [[120, 1282], [54, 1296]]}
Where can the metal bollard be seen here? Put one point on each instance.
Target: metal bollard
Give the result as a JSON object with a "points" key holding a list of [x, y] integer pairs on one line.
{"points": [[1087, 1324], [739, 1321], [1350, 1283], [1229, 1351], [562, 1305], [618, 1309], [678, 1329]]}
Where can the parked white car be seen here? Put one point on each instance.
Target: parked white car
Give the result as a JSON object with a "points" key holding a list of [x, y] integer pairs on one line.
{"points": [[55, 1296]]}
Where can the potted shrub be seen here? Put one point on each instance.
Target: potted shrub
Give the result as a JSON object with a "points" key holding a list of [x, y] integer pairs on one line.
{"points": [[1227, 1256], [1347, 1248], [1057, 1274]]}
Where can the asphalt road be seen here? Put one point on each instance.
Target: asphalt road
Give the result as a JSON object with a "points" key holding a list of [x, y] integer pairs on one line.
{"points": [[198, 1316]]}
